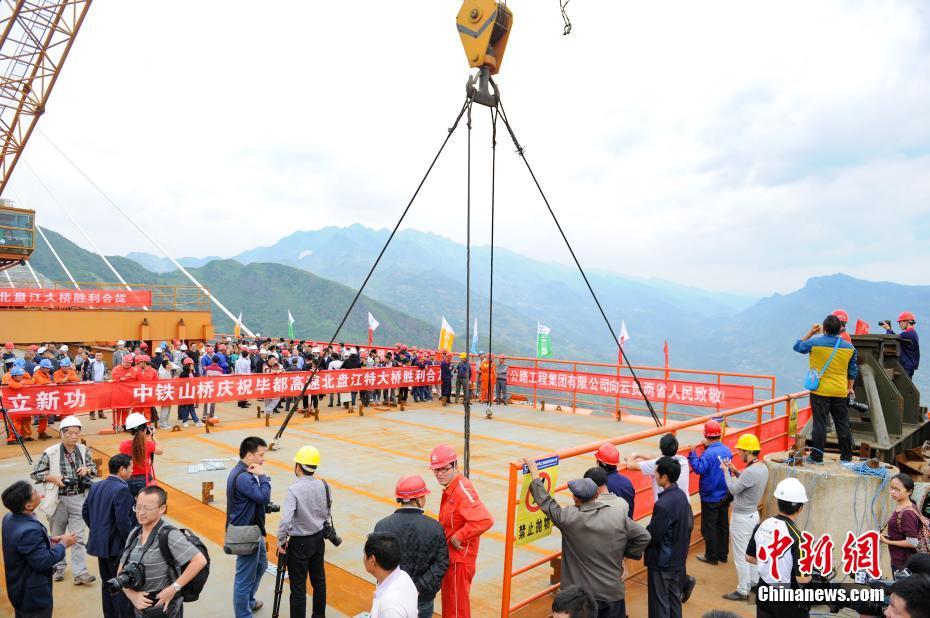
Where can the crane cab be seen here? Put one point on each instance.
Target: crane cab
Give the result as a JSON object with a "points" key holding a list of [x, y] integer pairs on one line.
{"points": [[17, 234]]}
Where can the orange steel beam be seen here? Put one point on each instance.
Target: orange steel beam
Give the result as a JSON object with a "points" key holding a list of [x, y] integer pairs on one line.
{"points": [[37, 38], [91, 325]]}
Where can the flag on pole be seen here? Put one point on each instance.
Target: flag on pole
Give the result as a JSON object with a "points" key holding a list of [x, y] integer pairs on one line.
{"points": [[543, 342], [372, 325], [621, 339], [446, 336], [665, 350], [237, 329], [290, 325], [474, 339], [862, 328]]}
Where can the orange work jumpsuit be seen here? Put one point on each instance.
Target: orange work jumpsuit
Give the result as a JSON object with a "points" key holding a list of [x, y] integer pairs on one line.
{"points": [[24, 424], [463, 516], [42, 378], [147, 374], [487, 381], [122, 373]]}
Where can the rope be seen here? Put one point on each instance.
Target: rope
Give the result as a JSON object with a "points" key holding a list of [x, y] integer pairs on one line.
{"points": [[492, 379], [466, 453], [34, 275], [623, 355], [9, 278], [290, 413], [55, 253]]}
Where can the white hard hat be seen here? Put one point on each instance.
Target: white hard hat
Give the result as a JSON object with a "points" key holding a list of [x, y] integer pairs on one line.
{"points": [[42, 350], [253, 347], [353, 351], [120, 342], [135, 420], [63, 348], [791, 490], [184, 347], [69, 421], [228, 339]]}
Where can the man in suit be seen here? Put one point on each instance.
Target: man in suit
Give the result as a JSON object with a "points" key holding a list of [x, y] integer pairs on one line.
{"points": [[108, 513], [29, 555]]}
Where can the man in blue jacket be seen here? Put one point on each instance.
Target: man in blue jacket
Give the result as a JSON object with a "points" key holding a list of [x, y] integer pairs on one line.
{"points": [[248, 490], [715, 504], [29, 555], [108, 513], [670, 535], [910, 342]]}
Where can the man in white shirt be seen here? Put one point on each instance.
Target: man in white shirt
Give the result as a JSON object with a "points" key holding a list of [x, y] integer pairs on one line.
{"points": [[243, 366], [396, 594]]}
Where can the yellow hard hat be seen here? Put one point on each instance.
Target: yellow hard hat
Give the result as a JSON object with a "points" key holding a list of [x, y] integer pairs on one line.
{"points": [[308, 456], [463, 355], [748, 442]]}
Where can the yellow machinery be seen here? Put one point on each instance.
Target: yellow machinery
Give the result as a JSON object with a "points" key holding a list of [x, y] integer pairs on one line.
{"points": [[484, 27], [17, 234]]}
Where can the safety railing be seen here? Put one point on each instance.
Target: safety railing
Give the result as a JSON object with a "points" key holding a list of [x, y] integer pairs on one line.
{"points": [[164, 297], [775, 434]]}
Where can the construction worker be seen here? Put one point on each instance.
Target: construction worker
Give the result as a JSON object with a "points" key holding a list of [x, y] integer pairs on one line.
{"points": [[608, 458], [42, 377], [500, 384], [445, 372], [424, 553], [124, 372], [146, 373], [463, 378], [843, 317], [715, 506], [302, 531], [487, 378], [747, 486], [910, 350], [464, 519], [784, 569], [16, 378]]}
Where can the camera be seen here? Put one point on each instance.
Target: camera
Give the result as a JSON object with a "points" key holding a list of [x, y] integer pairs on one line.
{"points": [[330, 534], [857, 405], [885, 323], [864, 608], [132, 576], [271, 507], [82, 482]]}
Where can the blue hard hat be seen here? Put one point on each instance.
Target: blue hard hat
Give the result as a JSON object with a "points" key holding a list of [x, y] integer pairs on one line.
{"points": [[45, 363], [17, 371], [19, 362], [65, 362]]}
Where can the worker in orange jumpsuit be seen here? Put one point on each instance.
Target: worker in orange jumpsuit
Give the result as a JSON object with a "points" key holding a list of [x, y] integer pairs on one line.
{"points": [[146, 373], [43, 377], [464, 519], [16, 378], [487, 370], [124, 372]]}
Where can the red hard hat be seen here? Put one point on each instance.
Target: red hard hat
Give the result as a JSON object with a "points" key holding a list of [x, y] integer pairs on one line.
{"points": [[128, 357], [143, 358], [410, 486], [144, 345], [442, 456], [608, 454], [712, 429], [286, 352], [907, 315], [8, 345], [842, 315], [188, 361], [209, 350], [34, 348]]}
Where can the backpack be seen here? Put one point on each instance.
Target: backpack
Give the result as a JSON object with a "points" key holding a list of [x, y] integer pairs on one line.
{"points": [[923, 532], [191, 591]]}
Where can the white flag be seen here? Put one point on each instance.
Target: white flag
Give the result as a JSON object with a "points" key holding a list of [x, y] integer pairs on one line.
{"points": [[372, 322], [290, 318], [624, 335]]}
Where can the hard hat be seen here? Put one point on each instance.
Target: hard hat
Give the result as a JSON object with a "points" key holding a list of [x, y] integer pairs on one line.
{"points": [[17, 371], [253, 347], [286, 352], [463, 355], [65, 362], [42, 350], [712, 429], [21, 362], [128, 357], [353, 351], [62, 348], [142, 358], [184, 347], [164, 345], [188, 361], [70, 421], [748, 442], [791, 490], [45, 363], [120, 342], [175, 341], [907, 315], [442, 456], [410, 486], [608, 454], [842, 315], [307, 456], [209, 350], [135, 420], [159, 351], [144, 345], [33, 348], [8, 345]]}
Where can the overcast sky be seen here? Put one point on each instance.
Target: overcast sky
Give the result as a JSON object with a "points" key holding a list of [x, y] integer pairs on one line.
{"points": [[740, 146]]}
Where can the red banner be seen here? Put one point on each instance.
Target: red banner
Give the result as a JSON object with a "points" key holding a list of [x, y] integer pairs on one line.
{"points": [[656, 389], [89, 396], [74, 299]]}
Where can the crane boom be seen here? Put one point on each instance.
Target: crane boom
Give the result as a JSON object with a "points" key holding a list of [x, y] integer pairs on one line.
{"points": [[37, 37]]}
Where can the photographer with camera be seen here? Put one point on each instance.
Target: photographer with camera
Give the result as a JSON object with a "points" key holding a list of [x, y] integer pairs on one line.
{"points": [[67, 471], [306, 521], [248, 493], [142, 447], [144, 575], [910, 348], [29, 555], [109, 515], [909, 598]]}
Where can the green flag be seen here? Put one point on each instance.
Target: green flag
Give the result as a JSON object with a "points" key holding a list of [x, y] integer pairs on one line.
{"points": [[543, 343], [290, 325]]}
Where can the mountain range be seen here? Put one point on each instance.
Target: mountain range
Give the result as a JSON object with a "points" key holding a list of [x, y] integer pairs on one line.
{"points": [[422, 278]]}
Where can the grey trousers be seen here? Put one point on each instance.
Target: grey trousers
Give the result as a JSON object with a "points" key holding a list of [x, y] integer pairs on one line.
{"points": [[664, 593], [68, 518]]}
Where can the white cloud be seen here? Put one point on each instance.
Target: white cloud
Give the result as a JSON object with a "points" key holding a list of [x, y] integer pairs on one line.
{"points": [[730, 145]]}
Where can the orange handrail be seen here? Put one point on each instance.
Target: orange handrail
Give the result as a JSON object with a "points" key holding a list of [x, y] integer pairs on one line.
{"points": [[769, 442]]}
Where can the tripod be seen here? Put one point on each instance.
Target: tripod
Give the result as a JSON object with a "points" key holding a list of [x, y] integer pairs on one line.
{"points": [[279, 585], [11, 427]]}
